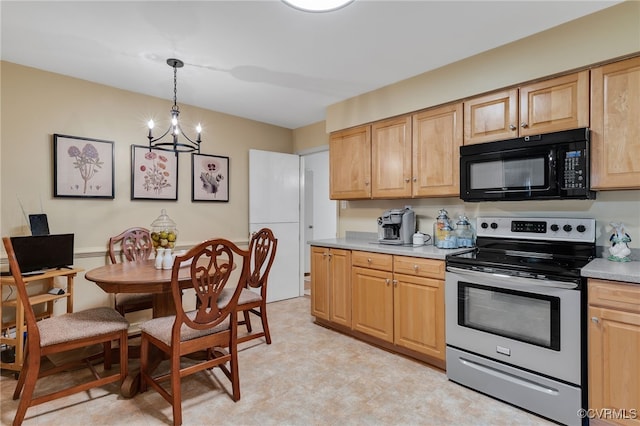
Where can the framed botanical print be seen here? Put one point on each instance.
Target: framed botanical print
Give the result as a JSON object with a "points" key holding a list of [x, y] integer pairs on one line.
{"points": [[154, 174], [209, 178], [82, 167]]}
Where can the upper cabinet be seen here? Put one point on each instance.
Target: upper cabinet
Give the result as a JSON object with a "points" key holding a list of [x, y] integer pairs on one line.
{"points": [[615, 125], [391, 158], [437, 137], [350, 164], [560, 103]]}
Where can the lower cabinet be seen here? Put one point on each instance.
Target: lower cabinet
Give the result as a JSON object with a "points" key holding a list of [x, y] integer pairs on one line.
{"points": [[331, 285], [614, 351], [397, 301]]}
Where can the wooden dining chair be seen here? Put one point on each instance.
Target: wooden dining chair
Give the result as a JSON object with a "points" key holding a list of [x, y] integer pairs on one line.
{"points": [[253, 298], [211, 325], [64, 333], [131, 245]]}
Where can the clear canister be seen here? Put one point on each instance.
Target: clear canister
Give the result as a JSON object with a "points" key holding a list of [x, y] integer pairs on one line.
{"points": [[163, 231], [464, 233]]}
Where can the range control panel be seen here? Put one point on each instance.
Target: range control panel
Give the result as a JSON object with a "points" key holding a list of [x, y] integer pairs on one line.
{"points": [[559, 229]]}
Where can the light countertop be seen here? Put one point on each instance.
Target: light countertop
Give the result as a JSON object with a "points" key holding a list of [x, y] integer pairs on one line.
{"points": [[616, 271], [425, 251]]}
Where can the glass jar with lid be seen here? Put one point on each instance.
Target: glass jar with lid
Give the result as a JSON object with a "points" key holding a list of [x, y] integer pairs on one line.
{"points": [[464, 233], [163, 231]]}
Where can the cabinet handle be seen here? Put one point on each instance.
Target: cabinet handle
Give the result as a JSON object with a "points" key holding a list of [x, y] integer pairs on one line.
{"points": [[595, 320], [387, 281], [415, 179], [407, 180], [368, 260], [366, 182], [523, 125], [415, 268], [512, 127], [395, 283]]}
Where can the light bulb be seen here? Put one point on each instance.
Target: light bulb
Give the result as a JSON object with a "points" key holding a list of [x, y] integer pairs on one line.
{"points": [[150, 123]]}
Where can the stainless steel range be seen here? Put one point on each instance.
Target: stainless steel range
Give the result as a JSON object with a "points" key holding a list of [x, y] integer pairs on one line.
{"points": [[515, 314]]}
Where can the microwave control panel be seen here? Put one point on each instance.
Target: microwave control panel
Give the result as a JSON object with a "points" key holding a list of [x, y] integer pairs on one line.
{"points": [[574, 169]]}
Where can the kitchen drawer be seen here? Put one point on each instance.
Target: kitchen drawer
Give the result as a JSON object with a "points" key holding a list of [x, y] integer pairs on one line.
{"points": [[365, 259], [612, 294], [430, 268]]}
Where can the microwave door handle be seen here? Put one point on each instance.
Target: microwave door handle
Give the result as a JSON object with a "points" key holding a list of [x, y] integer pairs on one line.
{"points": [[491, 278]]}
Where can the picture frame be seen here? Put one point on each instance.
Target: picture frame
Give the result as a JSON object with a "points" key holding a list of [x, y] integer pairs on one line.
{"points": [[83, 167], [154, 174], [209, 178]]}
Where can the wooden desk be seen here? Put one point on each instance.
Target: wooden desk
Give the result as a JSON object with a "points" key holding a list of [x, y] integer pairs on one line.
{"points": [[48, 277], [140, 277]]}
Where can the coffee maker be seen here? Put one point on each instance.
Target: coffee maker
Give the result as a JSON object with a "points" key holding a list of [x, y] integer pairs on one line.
{"points": [[396, 226]]}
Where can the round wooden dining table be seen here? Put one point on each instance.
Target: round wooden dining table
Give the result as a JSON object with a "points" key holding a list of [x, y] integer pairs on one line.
{"points": [[140, 277]]}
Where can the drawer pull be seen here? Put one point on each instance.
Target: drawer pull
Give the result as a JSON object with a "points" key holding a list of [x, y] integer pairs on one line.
{"points": [[595, 320]]}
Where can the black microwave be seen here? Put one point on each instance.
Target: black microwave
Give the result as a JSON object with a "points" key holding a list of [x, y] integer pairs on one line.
{"points": [[552, 166]]}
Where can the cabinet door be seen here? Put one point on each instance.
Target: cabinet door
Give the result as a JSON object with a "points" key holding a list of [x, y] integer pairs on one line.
{"points": [[350, 163], [437, 136], [615, 127], [419, 314], [491, 117], [557, 104], [614, 362], [320, 282], [340, 286], [391, 158], [373, 303]]}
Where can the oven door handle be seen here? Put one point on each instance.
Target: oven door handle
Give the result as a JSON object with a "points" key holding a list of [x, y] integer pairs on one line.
{"points": [[508, 279]]}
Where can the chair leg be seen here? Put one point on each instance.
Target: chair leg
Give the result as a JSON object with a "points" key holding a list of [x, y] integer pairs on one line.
{"points": [[124, 356], [32, 366], [106, 348], [235, 375], [22, 376], [176, 390], [144, 363], [247, 320], [265, 324]]}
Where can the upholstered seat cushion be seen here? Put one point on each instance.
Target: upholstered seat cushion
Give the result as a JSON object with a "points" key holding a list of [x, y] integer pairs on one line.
{"points": [[128, 298], [160, 328], [246, 296], [78, 325]]}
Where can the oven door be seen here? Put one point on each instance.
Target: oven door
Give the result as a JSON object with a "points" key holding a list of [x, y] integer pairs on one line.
{"points": [[529, 323]]}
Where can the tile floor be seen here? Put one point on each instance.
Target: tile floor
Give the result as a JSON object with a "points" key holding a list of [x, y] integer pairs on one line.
{"points": [[308, 376]]}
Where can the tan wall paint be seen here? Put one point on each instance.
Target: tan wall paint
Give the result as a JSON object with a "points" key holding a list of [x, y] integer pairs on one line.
{"points": [[610, 33], [310, 137], [36, 104]]}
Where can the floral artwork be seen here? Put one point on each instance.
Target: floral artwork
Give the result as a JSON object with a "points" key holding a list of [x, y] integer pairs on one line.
{"points": [[154, 174], [83, 167], [210, 178]]}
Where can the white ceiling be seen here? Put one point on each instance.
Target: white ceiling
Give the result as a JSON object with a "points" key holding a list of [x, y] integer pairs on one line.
{"points": [[264, 60]]}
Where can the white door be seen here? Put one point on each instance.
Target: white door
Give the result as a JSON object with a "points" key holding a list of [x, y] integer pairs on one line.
{"points": [[274, 202]]}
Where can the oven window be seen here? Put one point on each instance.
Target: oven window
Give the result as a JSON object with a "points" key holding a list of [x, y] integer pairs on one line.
{"points": [[505, 173], [527, 317]]}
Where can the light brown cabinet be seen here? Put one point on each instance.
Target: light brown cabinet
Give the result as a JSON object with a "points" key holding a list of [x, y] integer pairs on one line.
{"points": [[560, 103], [437, 137], [350, 164], [391, 151], [331, 285], [614, 350], [400, 300], [615, 125]]}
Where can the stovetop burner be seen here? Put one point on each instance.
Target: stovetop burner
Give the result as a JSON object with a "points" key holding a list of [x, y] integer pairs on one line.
{"points": [[531, 246]]}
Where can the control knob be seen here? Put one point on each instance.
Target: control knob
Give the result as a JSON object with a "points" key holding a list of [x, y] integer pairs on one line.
{"points": [[567, 228], [494, 225], [581, 228], [555, 227], [484, 225]]}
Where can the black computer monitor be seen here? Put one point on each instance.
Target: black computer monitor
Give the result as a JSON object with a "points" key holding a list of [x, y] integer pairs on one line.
{"points": [[41, 252]]}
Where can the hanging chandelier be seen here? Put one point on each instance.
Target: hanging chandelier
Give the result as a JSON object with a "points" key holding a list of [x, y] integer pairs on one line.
{"points": [[172, 143]]}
